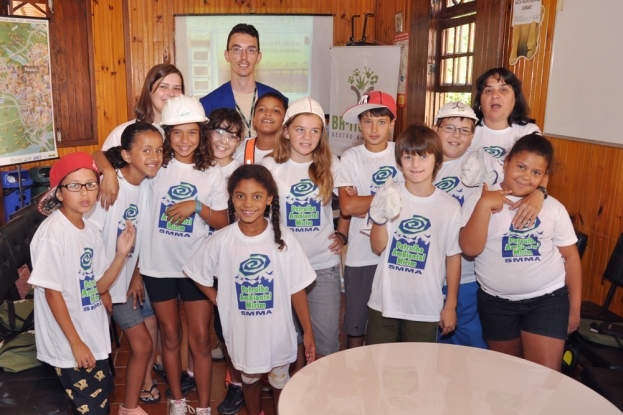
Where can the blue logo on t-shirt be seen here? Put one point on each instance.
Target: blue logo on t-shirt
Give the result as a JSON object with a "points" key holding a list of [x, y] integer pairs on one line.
{"points": [[130, 213], [176, 194], [409, 248], [302, 209], [449, 185], [255, 286], [90, 298], [496, 151], [520, 243], [380, 177]]}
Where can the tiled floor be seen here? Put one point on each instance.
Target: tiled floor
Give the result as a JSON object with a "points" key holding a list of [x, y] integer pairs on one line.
{"points": [[120, 357]]}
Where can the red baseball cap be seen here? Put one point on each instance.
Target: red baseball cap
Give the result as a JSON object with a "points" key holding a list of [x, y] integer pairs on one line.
{"points": [[371, 100], [65, 165], [70, 163]]}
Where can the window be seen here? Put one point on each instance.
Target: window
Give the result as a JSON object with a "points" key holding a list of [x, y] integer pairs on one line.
{"points": [[454, 63], [27, 8]]}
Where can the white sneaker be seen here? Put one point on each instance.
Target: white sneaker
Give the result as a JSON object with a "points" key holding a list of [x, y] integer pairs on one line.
{"points": [[217, 352], [179, 407], [204, 411]]}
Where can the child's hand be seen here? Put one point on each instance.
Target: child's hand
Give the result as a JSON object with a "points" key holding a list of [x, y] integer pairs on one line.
{"points": [[136, 290], [310, 347], [125, 241], [447, 320], [82, 355], [528, 208], [494, 199], [351, 190], [337, 244], [109, 189], [106, 300], [574, 321], [178, 212]]}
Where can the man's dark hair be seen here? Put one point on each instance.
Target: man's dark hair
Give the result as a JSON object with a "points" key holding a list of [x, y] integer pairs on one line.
{"points": [[246, 29]]}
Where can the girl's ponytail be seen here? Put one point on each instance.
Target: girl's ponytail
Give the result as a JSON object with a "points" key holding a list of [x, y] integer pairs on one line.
{"points": [[115, 158], [274, 218]]}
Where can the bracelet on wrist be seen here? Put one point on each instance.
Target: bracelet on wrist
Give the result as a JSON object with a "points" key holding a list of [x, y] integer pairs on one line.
{"points": [[341, 235], [198, 206], [542, 189]]}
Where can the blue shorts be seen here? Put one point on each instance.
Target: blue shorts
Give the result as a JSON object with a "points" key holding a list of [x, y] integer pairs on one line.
{"points": [[546, 315], [468, 330], [165, 289]]}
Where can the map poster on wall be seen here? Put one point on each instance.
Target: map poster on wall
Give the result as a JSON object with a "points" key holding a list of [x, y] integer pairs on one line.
{"points": [[26, 113]]}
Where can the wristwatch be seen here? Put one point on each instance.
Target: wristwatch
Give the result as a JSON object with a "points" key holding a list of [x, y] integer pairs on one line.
{"points": [[541, 188]]}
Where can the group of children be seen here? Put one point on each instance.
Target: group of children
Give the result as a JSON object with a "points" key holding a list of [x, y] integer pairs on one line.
{"points": [[428, 258]]}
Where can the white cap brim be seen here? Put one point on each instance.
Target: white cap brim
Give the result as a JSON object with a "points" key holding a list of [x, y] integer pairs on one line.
{"points": [[351, 115]]}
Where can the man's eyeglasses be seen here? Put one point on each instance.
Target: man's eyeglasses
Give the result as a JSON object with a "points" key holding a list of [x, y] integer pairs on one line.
{"points": [[77, 187], [237, 50], [224, 135], [450, 129]]}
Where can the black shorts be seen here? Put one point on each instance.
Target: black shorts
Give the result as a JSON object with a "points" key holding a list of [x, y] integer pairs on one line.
{"points": [[88, 389], [165, 289], [547, 315]]}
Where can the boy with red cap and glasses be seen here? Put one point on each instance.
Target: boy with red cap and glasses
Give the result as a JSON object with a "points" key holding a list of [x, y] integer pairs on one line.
{"points": [[70, 273]]}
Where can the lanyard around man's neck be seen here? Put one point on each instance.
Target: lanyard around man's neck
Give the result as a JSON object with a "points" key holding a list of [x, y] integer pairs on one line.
{"points": [[247, 123]]}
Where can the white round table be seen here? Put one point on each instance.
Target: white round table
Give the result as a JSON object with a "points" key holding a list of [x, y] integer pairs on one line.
{"points": [[428, 378]]}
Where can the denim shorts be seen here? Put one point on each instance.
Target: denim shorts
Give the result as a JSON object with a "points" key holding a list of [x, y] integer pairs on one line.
{"points": [[323, 297], [547, 315], [147, 309], [125, 315]]}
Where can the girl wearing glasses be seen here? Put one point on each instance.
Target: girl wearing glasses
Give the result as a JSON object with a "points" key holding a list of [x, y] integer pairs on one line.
{"points": [[138, 157], [69, 275], [226, 131]]}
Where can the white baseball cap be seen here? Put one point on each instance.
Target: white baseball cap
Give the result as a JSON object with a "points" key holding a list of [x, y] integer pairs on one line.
{"points": [[182, 110], [302, 106], [456, 109]]}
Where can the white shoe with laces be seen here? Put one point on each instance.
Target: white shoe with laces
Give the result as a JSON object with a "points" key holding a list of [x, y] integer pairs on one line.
{"points": [[204, 411], [179, 407]]}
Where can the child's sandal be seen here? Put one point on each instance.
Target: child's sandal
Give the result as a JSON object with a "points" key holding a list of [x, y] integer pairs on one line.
{"points": [[147, 396]]}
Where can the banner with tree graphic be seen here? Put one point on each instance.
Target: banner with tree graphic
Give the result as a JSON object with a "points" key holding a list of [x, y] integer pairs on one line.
{"points": [[355, 71]]}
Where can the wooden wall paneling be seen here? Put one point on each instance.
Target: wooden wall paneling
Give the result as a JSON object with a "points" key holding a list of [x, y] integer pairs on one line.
{"points": [[489, 43], [419, 33], [144, 23]]}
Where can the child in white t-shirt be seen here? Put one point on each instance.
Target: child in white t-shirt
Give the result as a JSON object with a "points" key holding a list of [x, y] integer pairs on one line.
{"points": [[530, 279], [305, 171], [415, 230], [267, 120], [363, 170], [226, 129], [262, 272], [188, 197], [455, 126], [70, 270], [138, 157]]}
